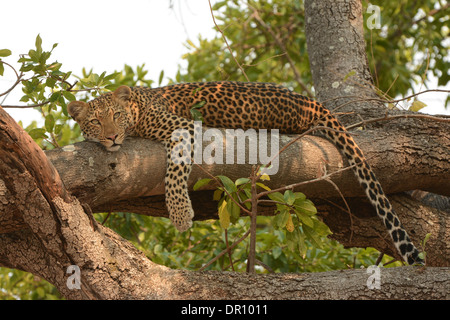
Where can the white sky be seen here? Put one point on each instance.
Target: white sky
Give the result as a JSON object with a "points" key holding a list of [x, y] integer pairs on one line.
{"points": [[106, 35], [103, 35]]}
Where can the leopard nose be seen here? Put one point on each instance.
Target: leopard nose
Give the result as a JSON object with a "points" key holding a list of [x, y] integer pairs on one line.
{"points": [[112, 137]]}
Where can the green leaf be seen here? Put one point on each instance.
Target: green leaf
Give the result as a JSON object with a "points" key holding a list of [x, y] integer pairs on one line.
{"points": [[5, 52], [425, 240], [34, 56], [198, 105], [219, 5], [69, 96], [306, 206], [224, 215], [276, 252], [312, 236], [38, 44], [302, 245], [50, 82], [289, 197], [58, 128], [196, 115], [2, 68], [305, 219], [49, 123], [228, 184], [38, 133], [161, 77], [417, 105], [350, 74], [276, 196], [290, 224], [240, 181], [217, 194], [263, 186], [292, 239], [281, 219], [111, 76], [64, 109], [112, 87], [25, 98], [55, 96], [299, 196], [234, 210], [321, 228], [201, 183]]}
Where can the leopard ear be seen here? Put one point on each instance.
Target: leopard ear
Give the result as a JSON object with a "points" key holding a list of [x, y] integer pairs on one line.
{"points": [[77, 109], [123, 94]]}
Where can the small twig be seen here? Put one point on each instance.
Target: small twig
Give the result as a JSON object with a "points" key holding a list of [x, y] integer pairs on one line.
{"points": [[226, 42], [265, 266], [48, 101], [254, 214], [225, 251], [391, 261], [294, 185], [406, 116], [87, 209], [106, 218], [373, 57], [283, 48], [228, 249], [310, 130], [380, 257], [359, 99], [256, 64], [19, 78], [346, 204]]}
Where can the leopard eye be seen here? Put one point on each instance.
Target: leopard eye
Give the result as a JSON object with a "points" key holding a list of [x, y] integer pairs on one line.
{"points": [[116, 115], [95, 121]]}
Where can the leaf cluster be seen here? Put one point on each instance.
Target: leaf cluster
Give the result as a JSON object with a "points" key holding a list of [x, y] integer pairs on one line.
{"points": [[409, 47]]}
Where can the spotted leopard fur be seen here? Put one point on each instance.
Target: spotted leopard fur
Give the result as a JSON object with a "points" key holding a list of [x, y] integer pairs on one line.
{"points": [[156, 113]]}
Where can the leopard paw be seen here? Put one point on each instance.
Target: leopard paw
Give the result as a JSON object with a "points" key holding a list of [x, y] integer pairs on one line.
{"points": [[181, 215]]}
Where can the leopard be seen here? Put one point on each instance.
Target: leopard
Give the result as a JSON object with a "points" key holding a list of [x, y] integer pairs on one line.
{"points": [[156, 113]]}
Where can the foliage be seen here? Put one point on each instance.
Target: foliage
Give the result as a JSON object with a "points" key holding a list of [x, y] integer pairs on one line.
{"points": [[19, 285], [406, 50], [410, 44]]}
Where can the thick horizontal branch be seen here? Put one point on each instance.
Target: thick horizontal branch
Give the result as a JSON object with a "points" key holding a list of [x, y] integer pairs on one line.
{"points": [[131, 180], [402, 161]]}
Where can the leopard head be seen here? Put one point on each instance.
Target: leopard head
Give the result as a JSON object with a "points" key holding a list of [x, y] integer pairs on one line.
{"points": [[104, 119]]}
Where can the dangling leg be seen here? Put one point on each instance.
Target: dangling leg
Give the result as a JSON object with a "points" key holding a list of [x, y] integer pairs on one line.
{"points": [[179, 165]]}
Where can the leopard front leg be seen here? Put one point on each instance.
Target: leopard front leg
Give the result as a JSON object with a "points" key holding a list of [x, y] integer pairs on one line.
{"points": [[177, 197], [177, 135]]}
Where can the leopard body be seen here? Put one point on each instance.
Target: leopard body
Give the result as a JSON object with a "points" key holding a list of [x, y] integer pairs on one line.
{"points": [[155, 113]]}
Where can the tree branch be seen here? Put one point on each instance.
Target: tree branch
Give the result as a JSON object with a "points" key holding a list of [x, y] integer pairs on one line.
{"points": [[59, 234]]}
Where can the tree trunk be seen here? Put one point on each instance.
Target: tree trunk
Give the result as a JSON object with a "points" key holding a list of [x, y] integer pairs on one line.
{"points": [[343, 82], [45, 229]]}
